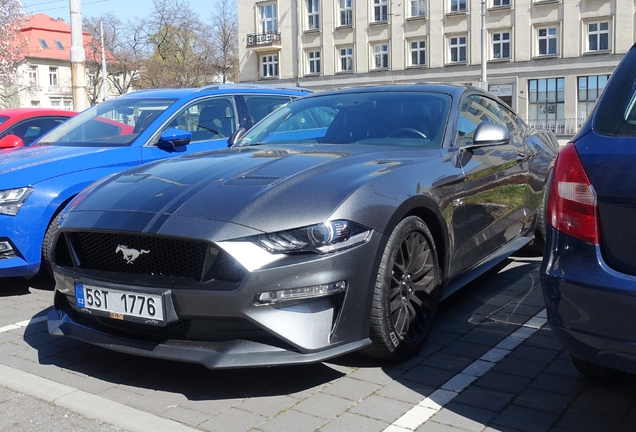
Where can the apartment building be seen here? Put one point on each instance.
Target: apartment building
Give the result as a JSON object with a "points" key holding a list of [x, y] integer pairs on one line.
{"points": [[548, 59]]}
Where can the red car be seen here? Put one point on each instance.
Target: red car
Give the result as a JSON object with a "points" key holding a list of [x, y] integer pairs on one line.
{"points": [[22, 126]]}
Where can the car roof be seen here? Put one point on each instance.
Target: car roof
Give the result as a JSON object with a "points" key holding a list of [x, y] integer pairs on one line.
{"points": [[451, 89], [28, 112], [220, 89]]}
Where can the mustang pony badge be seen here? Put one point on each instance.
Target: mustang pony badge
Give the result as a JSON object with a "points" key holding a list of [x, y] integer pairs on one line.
{"points": [[130, 254]]}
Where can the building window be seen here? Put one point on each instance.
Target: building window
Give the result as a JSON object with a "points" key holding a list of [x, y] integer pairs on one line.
{"points": [[53, 76], [418, 8], [380, 10], [498, 3], [313, 14], [381, 56], [59, 44], [55, 103], [590, 88], [43, 44], [35, 103], [268, 19], [68, 105], [33, 75], [546, 101], [269, 66], [457, 45], [501, 45], [458, 5], [598, 36], [346, 59], [547, 39], [313, 62], [418, 53], [346, 12]]}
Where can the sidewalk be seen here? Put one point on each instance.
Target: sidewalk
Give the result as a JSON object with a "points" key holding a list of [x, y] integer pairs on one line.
{"points": [[489, 365]]}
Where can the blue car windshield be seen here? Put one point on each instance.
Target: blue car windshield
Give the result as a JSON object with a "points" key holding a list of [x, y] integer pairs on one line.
{"points": [[388, 118], [117, 122]]}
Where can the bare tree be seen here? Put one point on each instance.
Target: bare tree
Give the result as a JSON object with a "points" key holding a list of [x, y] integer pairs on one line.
{"points": [[224, 38], [11, 82]]}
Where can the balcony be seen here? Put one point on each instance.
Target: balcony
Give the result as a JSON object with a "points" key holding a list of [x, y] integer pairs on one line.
{"points": [[264, 41]]}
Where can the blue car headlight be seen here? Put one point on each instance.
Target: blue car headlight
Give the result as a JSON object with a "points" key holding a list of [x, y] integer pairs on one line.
{"points": [[11, 200]]}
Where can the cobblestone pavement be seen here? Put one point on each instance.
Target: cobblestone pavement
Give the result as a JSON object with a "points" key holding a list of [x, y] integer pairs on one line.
{"points": [[490, 365]]}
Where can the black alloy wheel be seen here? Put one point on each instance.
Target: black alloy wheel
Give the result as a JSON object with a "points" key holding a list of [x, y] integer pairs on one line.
{"points": [[406, 292]]}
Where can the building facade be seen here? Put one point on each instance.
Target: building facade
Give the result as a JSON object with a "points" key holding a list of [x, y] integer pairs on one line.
{"points": [[548, 59]]}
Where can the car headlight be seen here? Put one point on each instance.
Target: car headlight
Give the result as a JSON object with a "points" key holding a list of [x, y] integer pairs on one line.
{"points": [[322, 238], [12, 199]]}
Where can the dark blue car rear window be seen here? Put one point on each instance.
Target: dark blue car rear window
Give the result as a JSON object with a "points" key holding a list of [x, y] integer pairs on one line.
{"points": [[616, 111]]}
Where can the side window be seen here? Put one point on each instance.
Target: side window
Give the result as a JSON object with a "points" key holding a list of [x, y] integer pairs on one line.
{"points": [[261, 105], [477, 109], [31, 130], [509, 118], [207, 119]]}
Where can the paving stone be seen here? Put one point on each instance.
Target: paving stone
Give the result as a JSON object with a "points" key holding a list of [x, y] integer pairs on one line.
{"points": [[558, 384], [542, 340], [518, 308], [118, 395], [524, 419], [233, 420], [534, 354], [563, 368], [158, 402], [604, 400], [186, 416], [541, 400], [588, 421], [433, 426], [426, 375], [519, 367], [292, 421], [429, 349], [488, 399], [448, 362], [441, 337], [489, 336], [377, 375], [381, 408], [458, 327], [354, 423], [212, 403], [300, 387], [324, 405], [353, 389], [466, 349], [267, 406], [410, 392], [464, 417], [504, 382]]}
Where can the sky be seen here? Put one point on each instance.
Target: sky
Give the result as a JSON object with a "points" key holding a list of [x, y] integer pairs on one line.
{"points": [[123, 9]]}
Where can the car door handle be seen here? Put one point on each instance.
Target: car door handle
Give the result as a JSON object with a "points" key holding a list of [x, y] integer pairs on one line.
{"points": [[521, 157]]}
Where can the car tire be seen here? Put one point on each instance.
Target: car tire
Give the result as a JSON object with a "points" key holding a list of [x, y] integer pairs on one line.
{"points": [[406, 292], [592, 370], [47, 244]]}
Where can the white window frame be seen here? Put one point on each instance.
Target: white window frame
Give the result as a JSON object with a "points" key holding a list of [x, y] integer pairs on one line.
{"points": [[33, 75], [458, 6], [267, 24], [501, 3], [313, 14], [458, 45], [417, 8], [345, 13], [345, 59], [501, 44], [56, 103], [598, 33], [313, 63], [68, 104], [380, 56], [546, 39], [419, 51], [380, 11], [268, 64], [53, 76]]}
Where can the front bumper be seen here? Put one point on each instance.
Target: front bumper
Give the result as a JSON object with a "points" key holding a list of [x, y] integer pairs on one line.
{"points": [[226, 329], [591, 308]]}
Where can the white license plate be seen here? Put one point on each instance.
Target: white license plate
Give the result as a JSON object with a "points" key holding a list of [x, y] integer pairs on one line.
{"points": [[117, 304]]}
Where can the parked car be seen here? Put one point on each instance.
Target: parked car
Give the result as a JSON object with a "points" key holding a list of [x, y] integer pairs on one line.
{"points": [[37, 182], [22, 126], [335, 224], [589, 269]]}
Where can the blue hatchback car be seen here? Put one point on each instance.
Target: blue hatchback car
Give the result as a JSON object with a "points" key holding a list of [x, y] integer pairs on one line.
{"points": [[589, 267], [37, 182]]}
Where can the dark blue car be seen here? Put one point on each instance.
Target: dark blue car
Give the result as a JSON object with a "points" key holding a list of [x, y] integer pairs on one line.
{"points": [[37, 182], [589, 267]]}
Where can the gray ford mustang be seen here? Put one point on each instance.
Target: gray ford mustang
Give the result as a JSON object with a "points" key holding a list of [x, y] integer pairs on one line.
{"points": [[336, 224]]}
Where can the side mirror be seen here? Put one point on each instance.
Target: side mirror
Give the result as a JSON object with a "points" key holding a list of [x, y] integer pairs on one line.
{"points": [[235, 137], [489, 134], [172, 138], [11, 141]]}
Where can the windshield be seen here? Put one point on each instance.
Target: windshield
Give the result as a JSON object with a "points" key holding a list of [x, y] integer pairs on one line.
{"points": [[116, 122], [392, 118]]}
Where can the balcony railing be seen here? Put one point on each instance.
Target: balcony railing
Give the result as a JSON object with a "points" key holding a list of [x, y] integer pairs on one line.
{"points": [[263, 39], [567, 126]]}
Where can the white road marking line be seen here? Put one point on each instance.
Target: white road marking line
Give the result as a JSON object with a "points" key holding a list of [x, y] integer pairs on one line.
{"points": [[22, 324], [431, 405]]}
